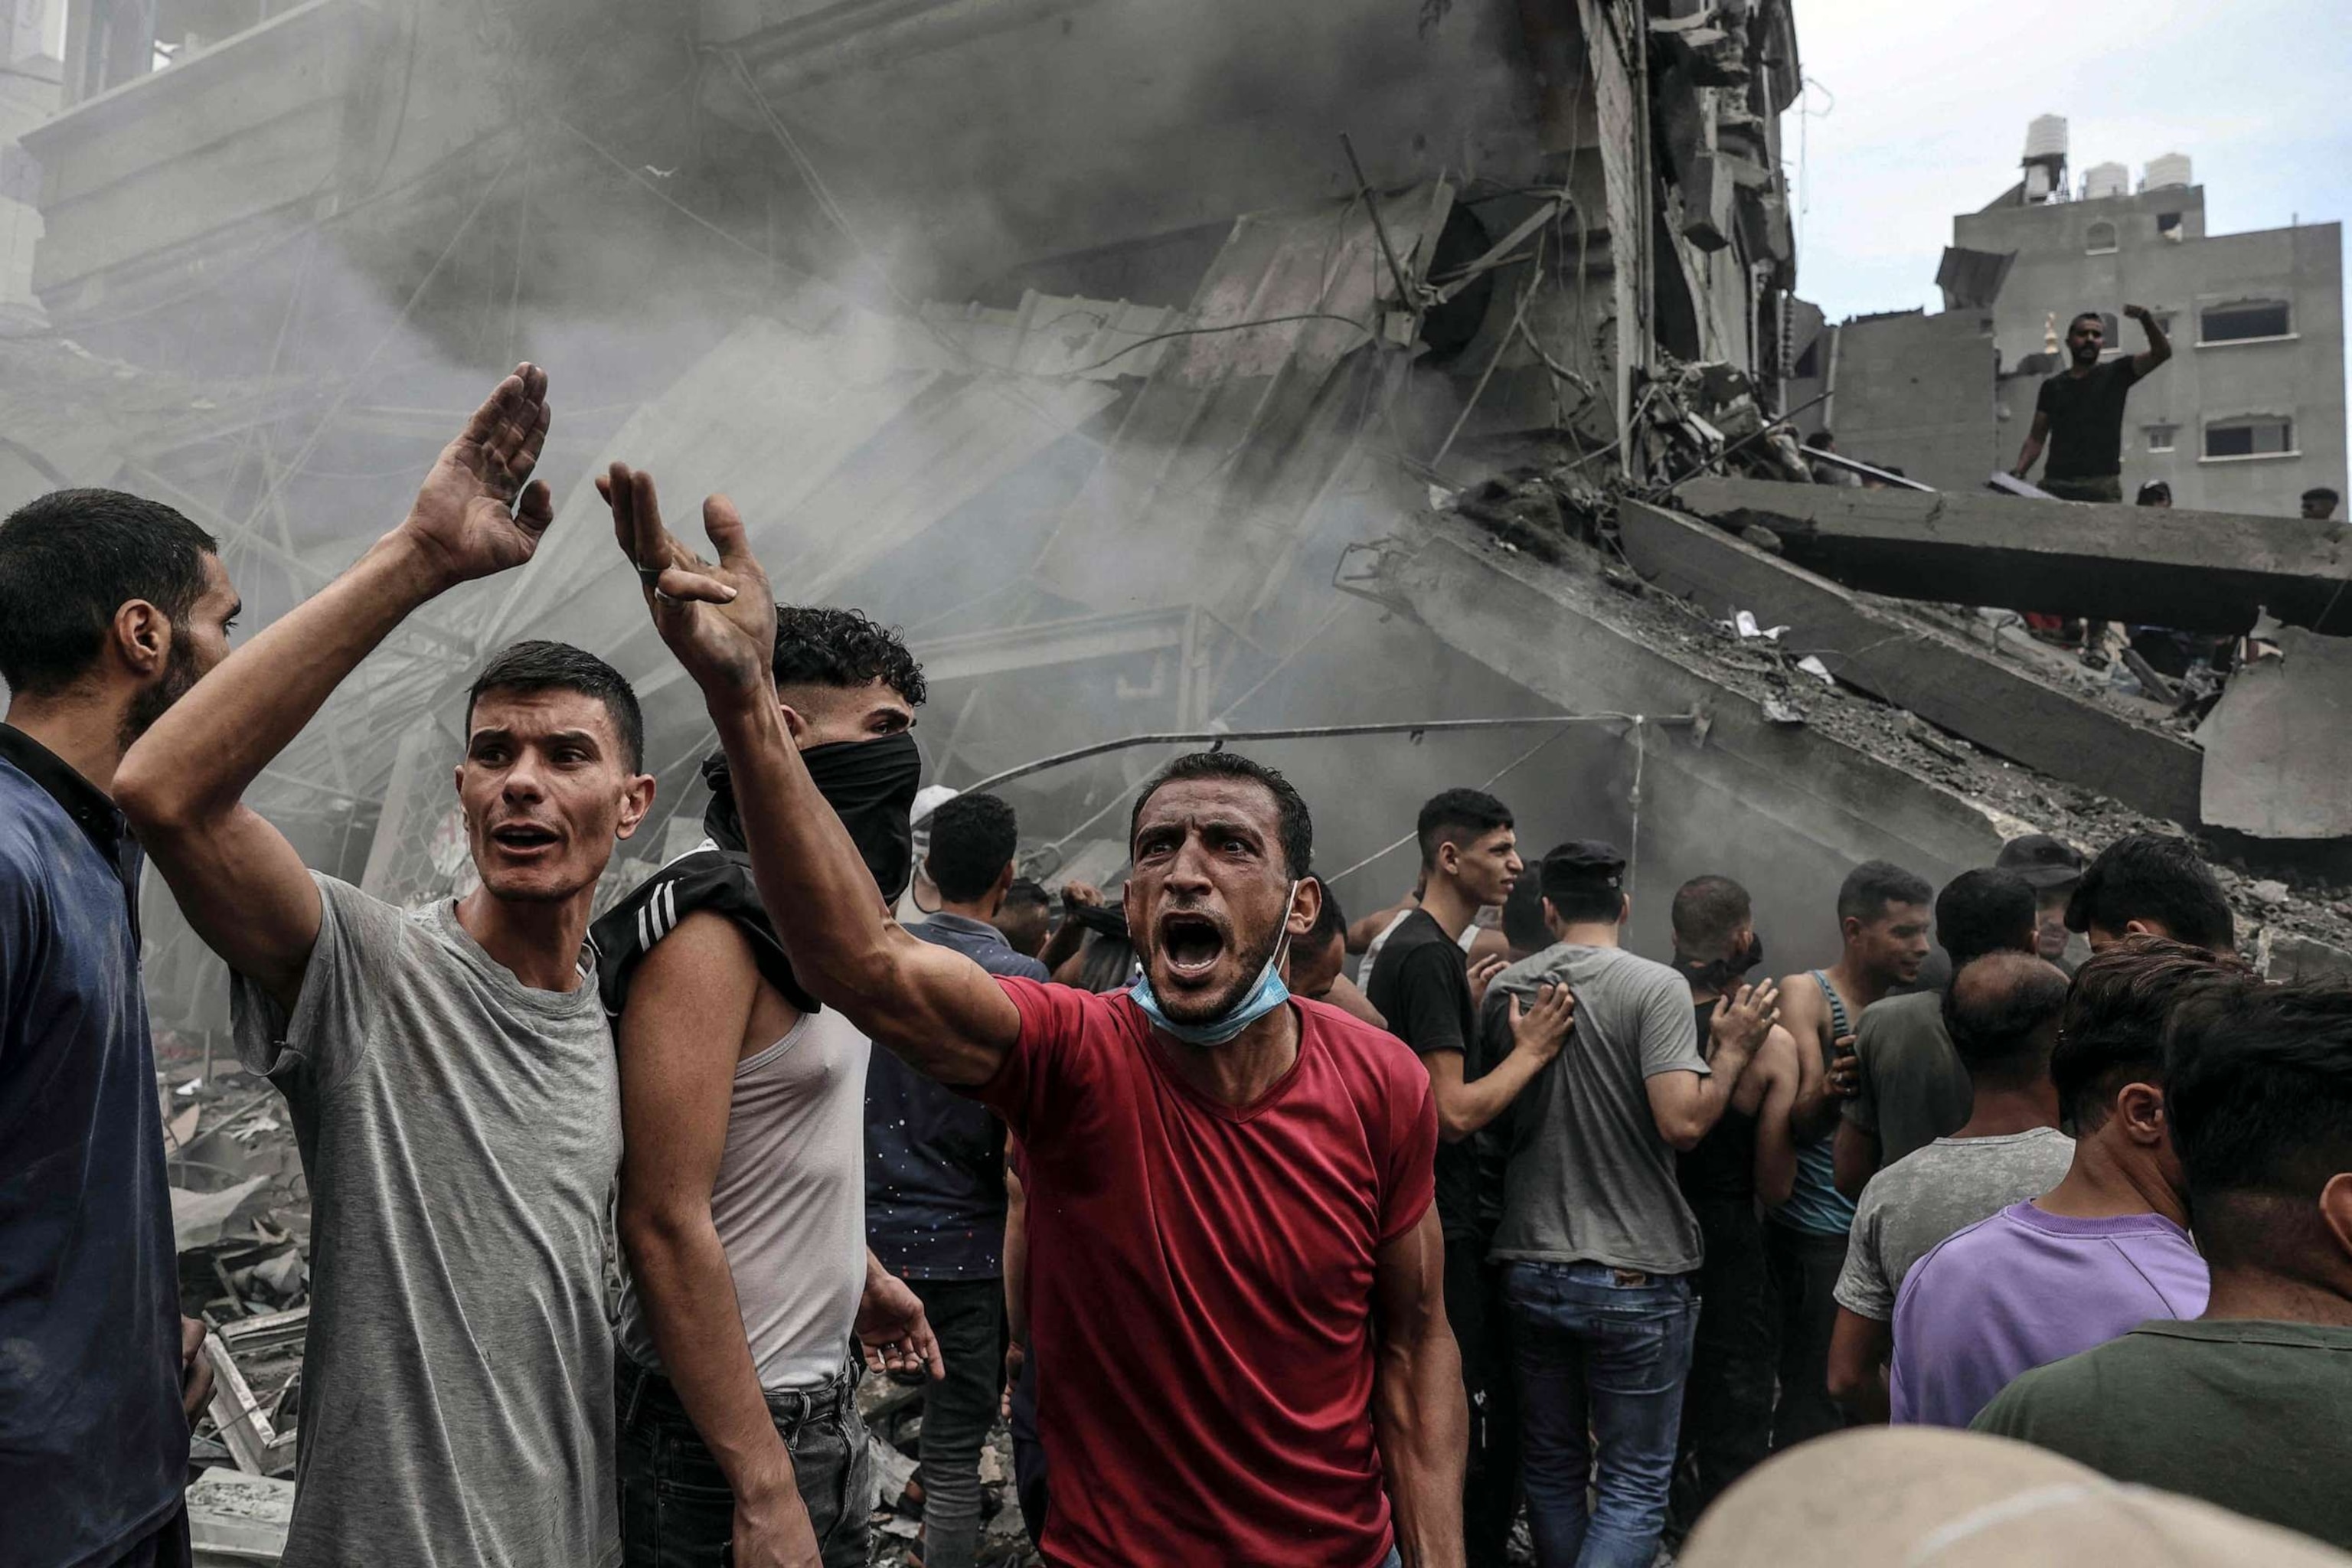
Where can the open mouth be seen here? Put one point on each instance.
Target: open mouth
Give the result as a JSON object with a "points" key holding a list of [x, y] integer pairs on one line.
{"points": [[1191, 944], [522, 837]]}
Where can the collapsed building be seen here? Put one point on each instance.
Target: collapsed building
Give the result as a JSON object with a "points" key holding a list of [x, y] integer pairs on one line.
{"points": [[1246, 367]]}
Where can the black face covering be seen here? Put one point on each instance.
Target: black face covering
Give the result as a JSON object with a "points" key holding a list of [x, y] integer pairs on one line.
{"points": [[1720, 975], [870, 784]]}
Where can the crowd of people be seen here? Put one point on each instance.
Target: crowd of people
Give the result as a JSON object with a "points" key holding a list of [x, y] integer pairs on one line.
{"points": [[1269, 1264]]}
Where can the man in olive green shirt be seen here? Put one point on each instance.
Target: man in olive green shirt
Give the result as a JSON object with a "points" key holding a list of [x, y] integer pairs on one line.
{"points": [[2251, 1405]]}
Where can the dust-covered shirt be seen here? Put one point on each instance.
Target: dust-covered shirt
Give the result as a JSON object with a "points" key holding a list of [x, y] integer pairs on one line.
{"points": [[1913, 1205], [460, 1131]]}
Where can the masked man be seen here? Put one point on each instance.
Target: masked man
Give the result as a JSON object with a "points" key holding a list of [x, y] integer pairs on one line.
{"points": [[1237, 1268], [742, 1206]]}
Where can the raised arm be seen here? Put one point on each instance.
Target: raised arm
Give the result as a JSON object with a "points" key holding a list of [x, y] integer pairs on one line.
{"points": [[240, 883], [1419, 1413], [679, 1037], [2159, 347], [1686, 1105], [934, 1007]]}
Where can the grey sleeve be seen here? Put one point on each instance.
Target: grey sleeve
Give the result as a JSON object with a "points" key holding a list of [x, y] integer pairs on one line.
{"points": [[322, 1038], [1862, 1286], [1669, 1029]]}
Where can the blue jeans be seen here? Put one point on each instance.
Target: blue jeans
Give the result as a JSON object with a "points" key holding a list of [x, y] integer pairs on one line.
{"points": [[1602, 1355]]}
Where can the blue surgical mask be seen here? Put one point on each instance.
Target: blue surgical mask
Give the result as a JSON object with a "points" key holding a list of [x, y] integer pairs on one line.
{"points": [[1264, 997]]}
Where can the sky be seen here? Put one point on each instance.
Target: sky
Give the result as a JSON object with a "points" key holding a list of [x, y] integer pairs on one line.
{"points": [[1917, 109]]}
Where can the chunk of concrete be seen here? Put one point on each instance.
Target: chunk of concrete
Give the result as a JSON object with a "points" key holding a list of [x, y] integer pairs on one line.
{"points": [[2278, 745], [1785, 789], [1999, 705], [2198, 571]]}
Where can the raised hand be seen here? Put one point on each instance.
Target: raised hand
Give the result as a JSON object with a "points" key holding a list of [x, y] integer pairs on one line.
{"points": [[480, 510], [1740, 1022], [720, 620], [1541, 1029]]}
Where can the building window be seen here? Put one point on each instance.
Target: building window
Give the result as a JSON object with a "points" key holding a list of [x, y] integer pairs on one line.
{"points": [[2249, 435], [2101, 239], [2242, 320], [2160, 437], [2167, 226]]}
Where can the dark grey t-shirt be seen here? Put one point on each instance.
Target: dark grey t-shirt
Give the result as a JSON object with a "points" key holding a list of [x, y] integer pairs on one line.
{"points": [[460, 1131], [1590, 1180], [1911, 1088]]}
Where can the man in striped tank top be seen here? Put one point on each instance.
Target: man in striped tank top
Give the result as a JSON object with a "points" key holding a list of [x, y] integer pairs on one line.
{"points": [[1883, 921]]}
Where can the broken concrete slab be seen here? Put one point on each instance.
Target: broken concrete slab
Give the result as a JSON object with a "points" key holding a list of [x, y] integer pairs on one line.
{"points": [[1994, 703], [2197, 571], [2287, 958], [234, 1518], [2278, 745], [1563, 635]]}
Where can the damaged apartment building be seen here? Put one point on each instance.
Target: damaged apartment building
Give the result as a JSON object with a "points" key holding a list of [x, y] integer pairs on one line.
{"points": [[1163, 371]]}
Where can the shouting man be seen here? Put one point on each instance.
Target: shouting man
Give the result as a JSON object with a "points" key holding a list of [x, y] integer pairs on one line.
{"points": [[1229, 1191], [111, 608], [2079, 415], [742, 1202], [449, 1071]]}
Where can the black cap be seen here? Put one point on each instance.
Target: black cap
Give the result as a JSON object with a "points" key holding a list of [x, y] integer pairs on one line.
{"points": [[2041, 861], [1582, 862]]}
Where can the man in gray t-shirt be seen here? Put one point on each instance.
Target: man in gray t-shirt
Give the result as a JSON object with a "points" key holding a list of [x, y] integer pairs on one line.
{"points": [[450, 1075], [1597, 1246], [461, 1131], [2003, 1015]]}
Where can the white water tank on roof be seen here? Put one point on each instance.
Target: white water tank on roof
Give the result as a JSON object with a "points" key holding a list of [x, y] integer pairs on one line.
{"points": [[2164, 172], [2101, 180], [2046, 137]]}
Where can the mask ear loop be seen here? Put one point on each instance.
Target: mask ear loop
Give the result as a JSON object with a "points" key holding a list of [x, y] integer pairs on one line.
{"points": [[1289, 901]]}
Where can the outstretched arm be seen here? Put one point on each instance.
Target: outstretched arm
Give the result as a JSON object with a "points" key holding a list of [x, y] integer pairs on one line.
{"points": [[1419, 1412], [2159, 347], [240, 883], [935, 1008]]}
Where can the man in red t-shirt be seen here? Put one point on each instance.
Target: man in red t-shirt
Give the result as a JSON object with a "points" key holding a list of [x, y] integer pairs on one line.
{"points": [[1250, 1358]]}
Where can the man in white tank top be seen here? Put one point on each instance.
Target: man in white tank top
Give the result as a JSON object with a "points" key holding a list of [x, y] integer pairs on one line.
{"points": [[742, 1187]]}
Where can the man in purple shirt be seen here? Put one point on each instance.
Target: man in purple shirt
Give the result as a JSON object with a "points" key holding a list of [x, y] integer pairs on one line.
{"points": [[2100, 1253]]}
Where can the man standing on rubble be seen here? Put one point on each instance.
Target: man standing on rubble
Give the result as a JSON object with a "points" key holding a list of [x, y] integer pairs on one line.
{"points": [[1243, 1309], [2079, 415], [449, 1071], [111, 608], [743, 1200], [1469, 862]]}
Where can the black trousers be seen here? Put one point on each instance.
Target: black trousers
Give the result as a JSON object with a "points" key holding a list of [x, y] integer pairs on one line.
{"points": [[1482, 1328], [1727, 1427], [1805, 1266], [968, 1316]]}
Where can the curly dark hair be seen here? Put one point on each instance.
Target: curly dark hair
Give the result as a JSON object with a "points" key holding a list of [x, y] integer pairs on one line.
{"points": [[817, 644]]}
